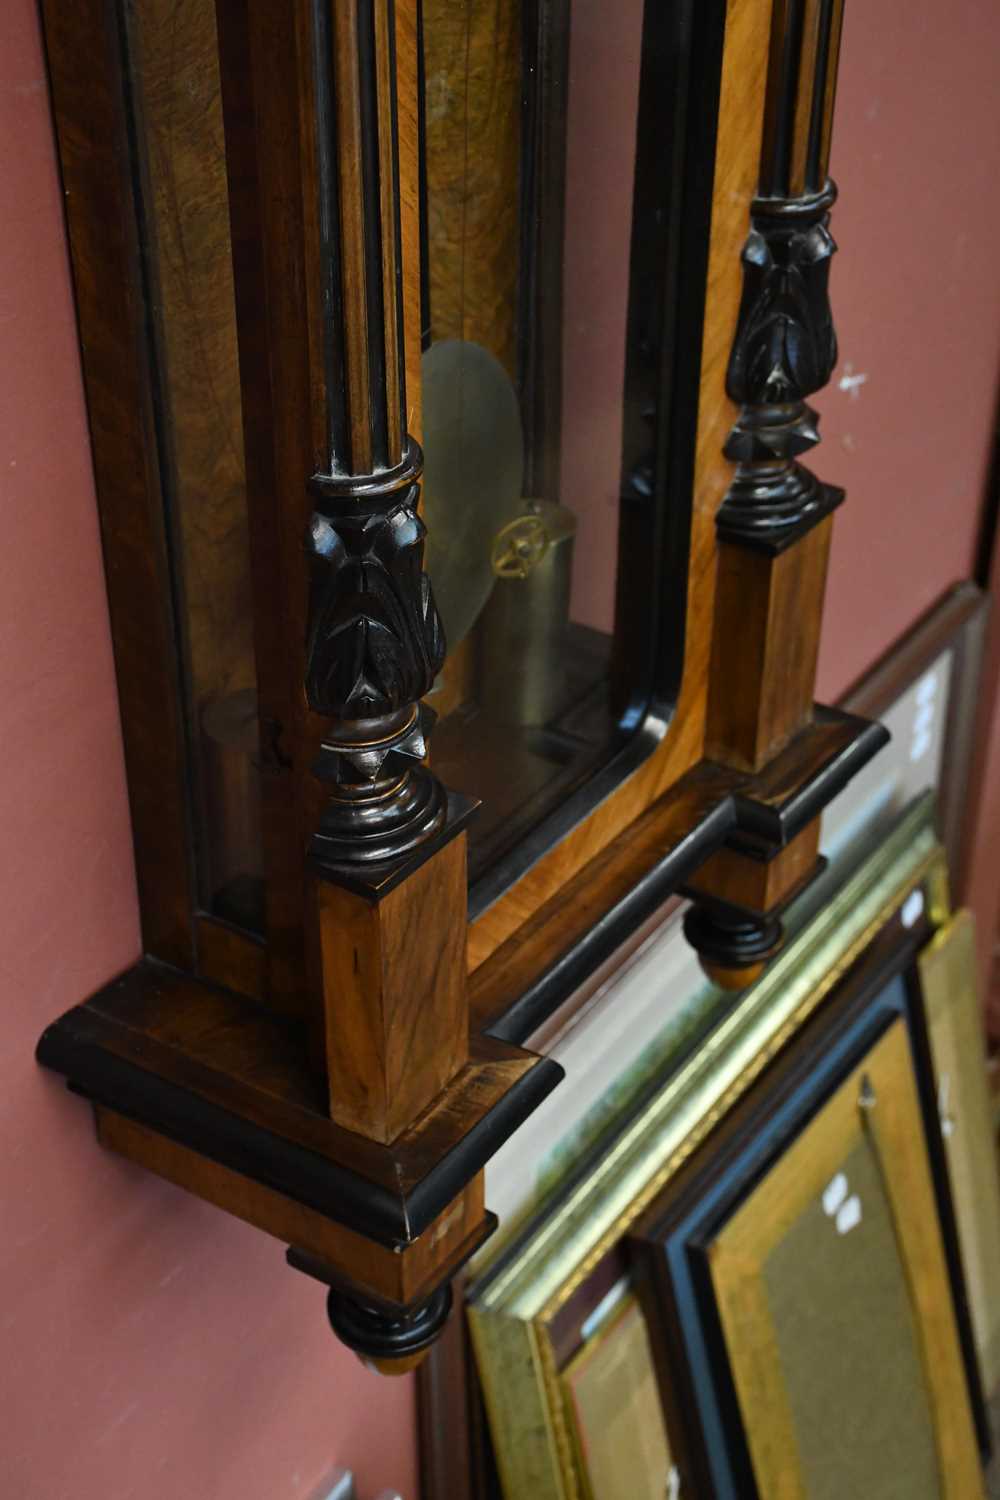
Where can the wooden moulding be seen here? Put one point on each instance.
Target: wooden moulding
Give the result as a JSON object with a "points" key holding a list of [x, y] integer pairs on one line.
{"points": [[774, 524], [712, 808], [83, 54], [394, 978], [745, 879], [767, 626], [841, 1041], [740, 895], [232, 1083]]}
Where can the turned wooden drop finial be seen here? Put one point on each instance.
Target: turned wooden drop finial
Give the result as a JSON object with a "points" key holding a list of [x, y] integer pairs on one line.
{"points": [[733, 947], [387, 1340]]}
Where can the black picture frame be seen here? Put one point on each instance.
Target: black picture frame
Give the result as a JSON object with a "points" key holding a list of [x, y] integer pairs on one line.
{"points": [[669, 1246]]}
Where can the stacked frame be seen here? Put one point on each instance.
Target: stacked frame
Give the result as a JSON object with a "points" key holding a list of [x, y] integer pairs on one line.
{"points": [[515, 1306], [799, 1271]]}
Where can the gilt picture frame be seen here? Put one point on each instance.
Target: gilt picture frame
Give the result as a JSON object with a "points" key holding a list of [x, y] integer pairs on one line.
{"points": [[877, 1345], [949, 981], [805, 1263], [512, 1308]]}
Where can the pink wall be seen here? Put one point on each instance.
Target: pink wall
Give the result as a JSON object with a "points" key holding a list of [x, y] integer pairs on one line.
{"points": [[916, 289], [151, 1346]]}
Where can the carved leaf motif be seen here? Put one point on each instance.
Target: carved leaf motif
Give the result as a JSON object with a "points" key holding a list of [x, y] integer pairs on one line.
{"points": [[376, 641], [785, 347]]}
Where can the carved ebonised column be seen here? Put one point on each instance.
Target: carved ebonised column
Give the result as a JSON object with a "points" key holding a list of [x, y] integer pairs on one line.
{"points": [[375, 639], [774, 523], [387, 857], [323, 1085], [785, 347]]}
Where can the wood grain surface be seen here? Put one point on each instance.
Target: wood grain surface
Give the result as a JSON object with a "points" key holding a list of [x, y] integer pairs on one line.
{"points": [[758, 884], [472, 104], [394, 981], [265, 84], [181, 145], [83, 49], [255, 1065], [767, 625]]}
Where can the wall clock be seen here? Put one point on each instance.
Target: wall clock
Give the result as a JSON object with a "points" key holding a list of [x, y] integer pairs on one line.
{"points": [[586, 265]]}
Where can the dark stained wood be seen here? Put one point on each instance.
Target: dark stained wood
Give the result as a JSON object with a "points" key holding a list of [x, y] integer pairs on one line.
{"points": [[758, 884], [203, 1086], [739, 896], [546, 30], [772, 809], [811, 23], [86, 72], [767, 624], [955, 625], [796, 785], [252, 1067], [712, 806], [785, 347], [830, 91], [672, 823], [804, 53], [392, 250], [232, 958], [182, 155], [395, 994], [261, 75], [812, 121], [408, 104], [190, 1058], [388, 998], [349, 145], [456, 1461]]}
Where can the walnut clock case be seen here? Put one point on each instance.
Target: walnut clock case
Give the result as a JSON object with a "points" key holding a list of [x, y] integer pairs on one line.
{"points": [[304, 239]]}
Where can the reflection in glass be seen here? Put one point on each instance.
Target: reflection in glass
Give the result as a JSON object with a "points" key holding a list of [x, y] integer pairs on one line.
{"points": [[530, 129], [176, 100]]}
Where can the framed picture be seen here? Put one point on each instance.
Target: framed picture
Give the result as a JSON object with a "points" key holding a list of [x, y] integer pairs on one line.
{"points": [[802, 1273], [613, 1404], [954, 1017], [649, 1005], [515, 1307], [926, 691]]}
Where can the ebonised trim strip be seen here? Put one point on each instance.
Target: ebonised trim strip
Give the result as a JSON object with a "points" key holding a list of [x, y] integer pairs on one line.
{"points": [[329, 226], [300, 1174], [371, 169]]}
